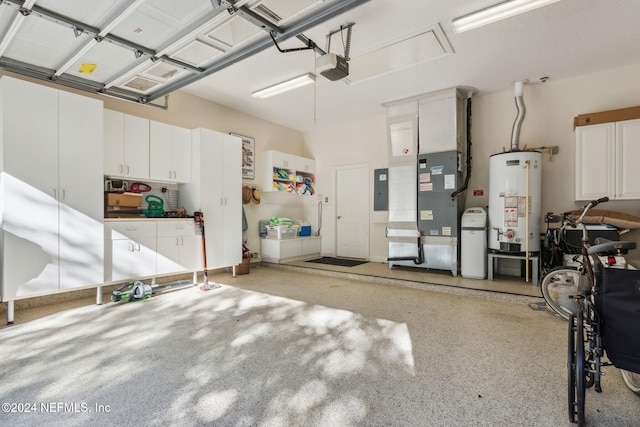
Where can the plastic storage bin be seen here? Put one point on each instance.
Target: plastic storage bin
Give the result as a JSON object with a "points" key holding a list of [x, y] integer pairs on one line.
{"points": [[282, 231]]}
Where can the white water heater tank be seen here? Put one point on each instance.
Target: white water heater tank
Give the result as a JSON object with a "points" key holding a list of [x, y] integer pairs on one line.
{"points": [[515, 180]]}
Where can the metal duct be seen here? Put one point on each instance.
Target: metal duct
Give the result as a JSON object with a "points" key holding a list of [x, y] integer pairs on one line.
{"points": [[522, 111]]}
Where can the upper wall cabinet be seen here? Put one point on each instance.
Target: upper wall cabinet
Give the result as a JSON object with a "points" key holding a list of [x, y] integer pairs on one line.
{"points": [[170, 153], [606, 161], [287, 173], [126, 145]]}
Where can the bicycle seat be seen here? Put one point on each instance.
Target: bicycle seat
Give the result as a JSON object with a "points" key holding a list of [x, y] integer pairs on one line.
{"points": [[611, 246]]}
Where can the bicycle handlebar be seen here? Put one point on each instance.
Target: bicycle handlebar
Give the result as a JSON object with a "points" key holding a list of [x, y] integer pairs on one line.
{"points": [[594, 203]]}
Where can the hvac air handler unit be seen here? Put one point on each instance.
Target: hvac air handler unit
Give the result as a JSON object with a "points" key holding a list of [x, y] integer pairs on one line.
{"points": [[428, 145]]}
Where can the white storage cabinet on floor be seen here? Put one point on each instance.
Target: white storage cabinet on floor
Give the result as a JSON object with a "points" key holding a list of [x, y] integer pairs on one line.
{"points": [[287, 250], [145, 248], [52, 189], [216, 191]]}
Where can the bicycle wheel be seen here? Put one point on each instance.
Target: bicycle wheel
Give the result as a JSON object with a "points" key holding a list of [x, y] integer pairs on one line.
{"points": [[557, 285], [571, 373], [576, 369], [632, 380]]}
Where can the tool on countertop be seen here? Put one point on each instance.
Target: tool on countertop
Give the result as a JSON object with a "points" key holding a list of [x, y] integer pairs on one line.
{"points": [[138, 291], [155, 207]]}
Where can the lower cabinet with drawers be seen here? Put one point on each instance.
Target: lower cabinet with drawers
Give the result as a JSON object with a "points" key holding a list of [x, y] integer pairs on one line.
{"points": [[145, 248]]}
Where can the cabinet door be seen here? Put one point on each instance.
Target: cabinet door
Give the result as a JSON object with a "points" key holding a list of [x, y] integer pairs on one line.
{"points": [[168, 258], [80, 188], [30, 188], [283, 160], [133, 258], [594, 161], [232, 213], [181, 154], [179, 248], [305, 165], [113, 134], [160, 149], [311, 245], [627, 154], [136, 147]]}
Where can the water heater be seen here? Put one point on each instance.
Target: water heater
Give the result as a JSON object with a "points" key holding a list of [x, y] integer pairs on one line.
{"points": [[515, 180]]}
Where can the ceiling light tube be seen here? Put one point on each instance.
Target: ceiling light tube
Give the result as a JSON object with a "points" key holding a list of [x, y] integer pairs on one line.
{"points": [[496, 13], [285, 86]]}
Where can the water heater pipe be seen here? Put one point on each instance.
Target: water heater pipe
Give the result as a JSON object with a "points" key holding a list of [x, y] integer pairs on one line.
{"points": [[522, 111]]}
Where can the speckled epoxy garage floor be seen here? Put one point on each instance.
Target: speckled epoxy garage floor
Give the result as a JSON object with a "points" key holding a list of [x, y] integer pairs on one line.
{"points": [[291, 347]]}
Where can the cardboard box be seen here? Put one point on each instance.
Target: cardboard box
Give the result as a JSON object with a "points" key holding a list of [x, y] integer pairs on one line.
{"points": [[124, 201]]}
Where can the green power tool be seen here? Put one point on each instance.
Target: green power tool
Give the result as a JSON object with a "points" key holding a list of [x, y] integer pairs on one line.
{"points": [[155, 207]]}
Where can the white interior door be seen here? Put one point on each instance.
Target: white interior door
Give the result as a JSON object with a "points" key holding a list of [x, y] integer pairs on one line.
{"points": [[352, 211]]}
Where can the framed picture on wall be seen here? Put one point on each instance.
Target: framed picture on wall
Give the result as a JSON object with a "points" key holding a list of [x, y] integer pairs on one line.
{"points": [[248, 156]]}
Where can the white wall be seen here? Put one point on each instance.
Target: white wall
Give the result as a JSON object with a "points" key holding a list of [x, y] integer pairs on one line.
{"points": [[551, 107]]}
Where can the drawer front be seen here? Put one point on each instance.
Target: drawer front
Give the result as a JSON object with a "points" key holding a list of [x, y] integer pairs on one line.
{"points": [[132, 230], [176, 228]]}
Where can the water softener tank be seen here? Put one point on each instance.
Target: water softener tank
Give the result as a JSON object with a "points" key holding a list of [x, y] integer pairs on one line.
{"points": [[515, 180]]}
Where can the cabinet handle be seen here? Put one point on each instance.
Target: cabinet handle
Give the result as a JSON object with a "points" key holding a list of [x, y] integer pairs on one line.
{"points": [[169, 174], [64, 194], [55, 194], [177, 242], [131, 247], [121, 168], [127, 169], [221, 201], [138, 247]]}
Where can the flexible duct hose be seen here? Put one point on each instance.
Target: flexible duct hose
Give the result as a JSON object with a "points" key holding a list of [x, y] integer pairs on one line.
{"points": [[517, 124]]}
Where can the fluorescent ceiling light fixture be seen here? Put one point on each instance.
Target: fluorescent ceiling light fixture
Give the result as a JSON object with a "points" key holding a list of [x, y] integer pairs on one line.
{"points": [[496, 13], [285, 86]]}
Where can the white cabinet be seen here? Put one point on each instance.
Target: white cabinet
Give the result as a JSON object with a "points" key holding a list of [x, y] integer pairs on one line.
{"points": [[606, 161], [179, 247], [131, 250], [170, 153], [51, 186], [286, 173], [287, 250], [147, 248], [126, 145], [305, 166], [216, 191]]}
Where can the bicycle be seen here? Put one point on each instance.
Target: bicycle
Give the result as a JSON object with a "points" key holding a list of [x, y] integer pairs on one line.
{"points": [[560, 282], [594, 327]]}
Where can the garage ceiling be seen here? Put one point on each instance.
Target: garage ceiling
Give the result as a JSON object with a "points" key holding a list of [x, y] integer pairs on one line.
{"points": [[143, 50]]}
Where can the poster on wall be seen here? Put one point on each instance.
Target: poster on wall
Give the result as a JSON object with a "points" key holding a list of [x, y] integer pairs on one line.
{"points": [[248, 156]]}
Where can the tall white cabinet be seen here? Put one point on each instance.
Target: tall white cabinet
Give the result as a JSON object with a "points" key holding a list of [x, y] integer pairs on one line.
{"points": [[606, 161], [216, 191], [51, 190]]}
